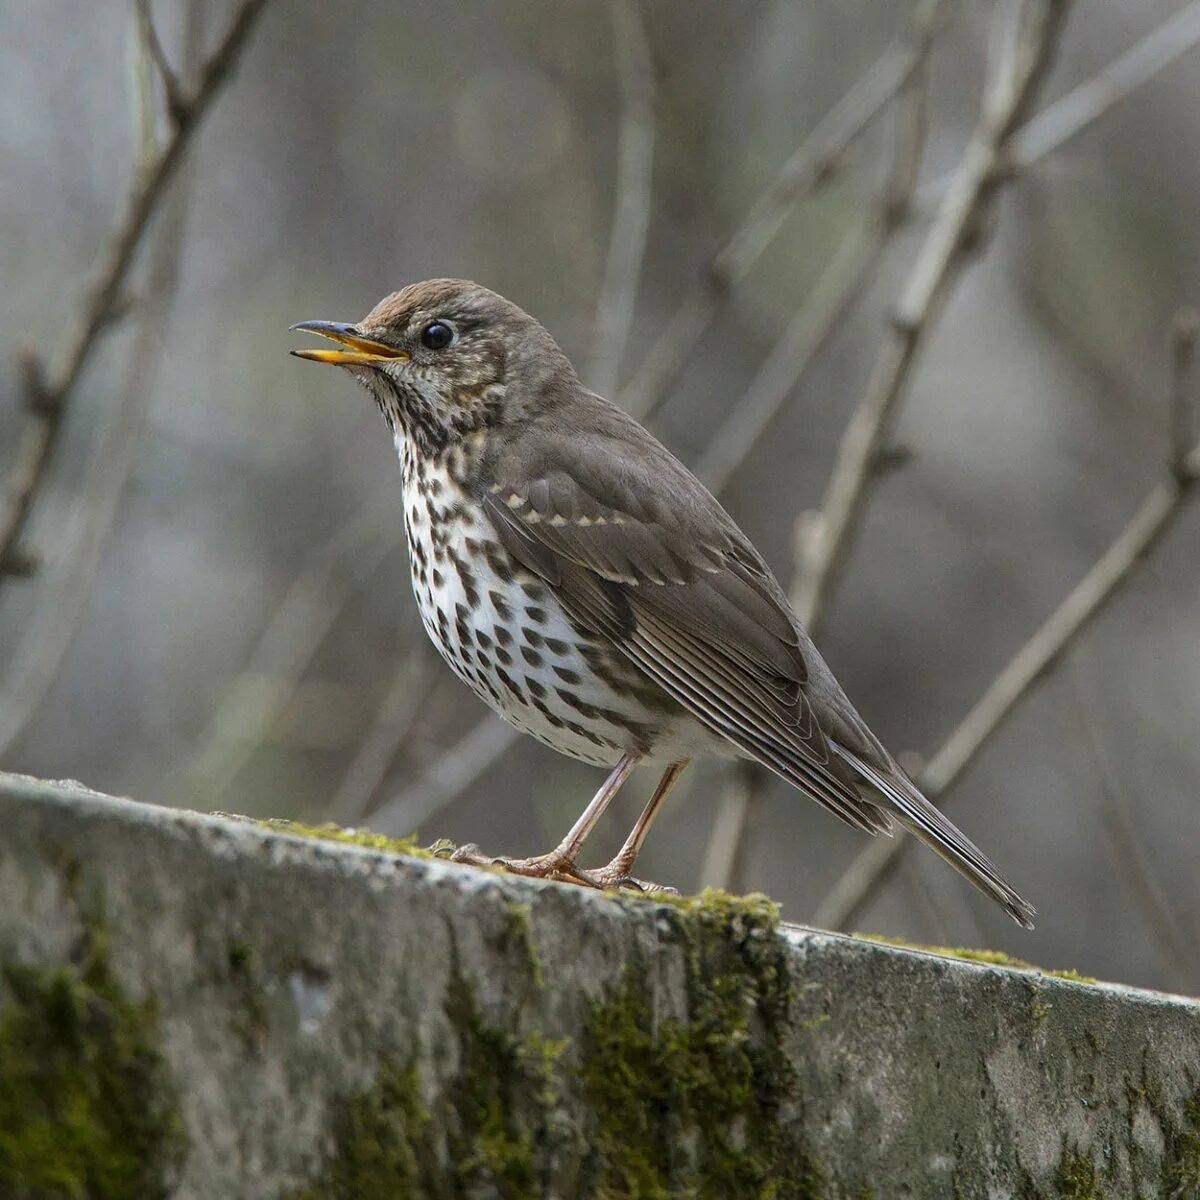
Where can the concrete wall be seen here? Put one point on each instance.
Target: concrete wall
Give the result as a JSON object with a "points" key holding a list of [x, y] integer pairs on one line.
{"points": [[194, 1006]]}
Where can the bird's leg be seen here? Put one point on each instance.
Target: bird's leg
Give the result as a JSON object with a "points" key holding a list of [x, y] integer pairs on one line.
{"points": [[618, 872], [559, 863]]}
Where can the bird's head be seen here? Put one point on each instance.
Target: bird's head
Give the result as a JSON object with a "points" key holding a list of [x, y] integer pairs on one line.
{"points": [[446, 357]]}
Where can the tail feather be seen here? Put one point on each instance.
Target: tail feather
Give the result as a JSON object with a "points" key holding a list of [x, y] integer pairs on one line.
{"points": [[927, 824]]}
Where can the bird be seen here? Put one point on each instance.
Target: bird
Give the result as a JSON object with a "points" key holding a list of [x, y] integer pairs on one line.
{"points": [[593, 592]]}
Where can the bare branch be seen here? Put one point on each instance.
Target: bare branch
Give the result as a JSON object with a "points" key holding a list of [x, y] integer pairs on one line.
{"points": [[148, 36], [1116, 567], [299, 623], [393, 720], [113, 452], [1185, 332], [815, 162], [48, 388], [836, 292], [1030, 37], [727, 839], [634, 187], [1176, 947], [453, 772], [833, 295], [1068, 117]]}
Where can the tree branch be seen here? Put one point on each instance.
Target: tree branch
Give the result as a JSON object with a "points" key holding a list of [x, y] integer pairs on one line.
{"points": [[48, 387], [1066, 118], [1177, 950], [114, 449], [814, 163], [836, 291], [299, 623], [402, 703], [875, 863], [1070, 115], [634, 189], [1030, 38]]}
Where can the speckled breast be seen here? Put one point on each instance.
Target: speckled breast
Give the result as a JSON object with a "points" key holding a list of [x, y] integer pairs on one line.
{"points": [[503, 633]]}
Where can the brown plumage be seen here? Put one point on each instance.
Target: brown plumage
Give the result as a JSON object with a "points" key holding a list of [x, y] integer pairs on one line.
{"points": [[656, 631]]}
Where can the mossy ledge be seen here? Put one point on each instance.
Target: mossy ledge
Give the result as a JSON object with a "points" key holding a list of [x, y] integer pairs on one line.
{"points": [[88, 1107], [992, 958], [338, 1023]]}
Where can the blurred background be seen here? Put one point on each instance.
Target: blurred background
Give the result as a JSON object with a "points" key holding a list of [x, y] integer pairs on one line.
{"points": [[209, 602]]}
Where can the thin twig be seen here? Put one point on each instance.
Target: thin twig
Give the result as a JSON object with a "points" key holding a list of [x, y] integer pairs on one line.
{"points": [[1116, 567], [728, 836], [402, 703], [449, 776], [1185, 335], [48, 387], [1176, 947], [1066, 118], [814, 164], [836, 291], [87, 529], [248, 711], [176, 103], [1030, 38], [634, 189]]}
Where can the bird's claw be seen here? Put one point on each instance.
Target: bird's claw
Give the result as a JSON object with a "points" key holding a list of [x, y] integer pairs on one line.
{"points": [[611, 878]]}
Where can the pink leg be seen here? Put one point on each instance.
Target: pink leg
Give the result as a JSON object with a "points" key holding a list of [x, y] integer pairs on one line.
{"points": [[618, 872], [560, 862]]}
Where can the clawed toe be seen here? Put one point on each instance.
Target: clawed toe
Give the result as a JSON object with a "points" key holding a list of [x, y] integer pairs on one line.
{"points": [[610, 879], [470, 854]]}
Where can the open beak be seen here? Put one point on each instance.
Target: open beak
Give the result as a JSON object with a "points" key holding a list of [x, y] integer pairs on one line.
{"points": [[360, 350]]}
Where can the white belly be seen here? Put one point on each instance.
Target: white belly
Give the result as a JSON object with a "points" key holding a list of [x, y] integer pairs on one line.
{"points": [[503, 633]]}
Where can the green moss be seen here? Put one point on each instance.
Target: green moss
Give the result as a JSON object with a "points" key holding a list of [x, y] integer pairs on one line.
{"points": [[1182, 1170], [996, 958], [381, 1136], [1039, 1008], [353, 837], [87, 1105], [1078, 1179], [518, 932], [482, 1136], [700, 1105], [249, 1017]]}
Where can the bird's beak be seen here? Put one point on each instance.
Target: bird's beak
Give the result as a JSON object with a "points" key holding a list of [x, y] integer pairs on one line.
{"points": [[361, 350]]}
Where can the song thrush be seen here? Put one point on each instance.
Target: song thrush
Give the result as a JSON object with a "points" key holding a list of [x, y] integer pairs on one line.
{"points": [[585, 585]]}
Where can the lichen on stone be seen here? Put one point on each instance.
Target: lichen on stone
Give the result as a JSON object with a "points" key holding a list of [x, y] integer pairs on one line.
{"points": [[88, 1108]]}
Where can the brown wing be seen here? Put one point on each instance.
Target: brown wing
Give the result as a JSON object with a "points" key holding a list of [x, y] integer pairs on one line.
{"points": [[636, 548]]}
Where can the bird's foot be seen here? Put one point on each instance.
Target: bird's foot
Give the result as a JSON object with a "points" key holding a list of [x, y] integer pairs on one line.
{"points": [[615, 876], [554, 865], [559, 867]]}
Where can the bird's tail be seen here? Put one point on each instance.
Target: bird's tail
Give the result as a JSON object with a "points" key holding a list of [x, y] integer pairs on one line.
{"points": [[927, 824]]}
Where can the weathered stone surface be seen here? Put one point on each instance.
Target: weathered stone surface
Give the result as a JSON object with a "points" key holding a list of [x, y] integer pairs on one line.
{"points": [[193, 1006]]}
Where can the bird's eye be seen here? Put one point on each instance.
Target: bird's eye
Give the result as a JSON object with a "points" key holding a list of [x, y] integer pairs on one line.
{"points": [[437, 335]]}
